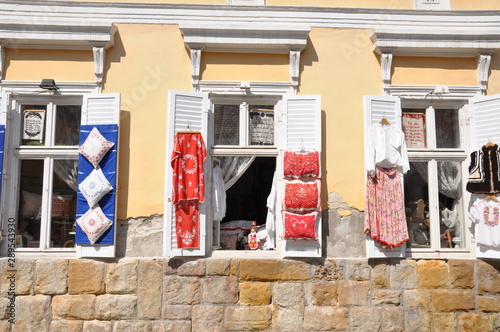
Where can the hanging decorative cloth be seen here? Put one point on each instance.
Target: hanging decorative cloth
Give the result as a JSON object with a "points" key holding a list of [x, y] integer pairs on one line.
{"points": [[385, 219], [188, 185]]}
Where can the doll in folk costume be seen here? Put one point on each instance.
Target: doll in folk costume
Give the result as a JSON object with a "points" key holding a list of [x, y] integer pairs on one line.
{"points": [[253, 238]]}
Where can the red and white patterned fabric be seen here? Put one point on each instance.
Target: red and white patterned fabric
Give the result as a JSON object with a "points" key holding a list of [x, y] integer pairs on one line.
{"points": [[188, 185], [302, 196], [297, 165], [300, 226], [94, 223], [187, 223], [95, 147], [187, 162]]}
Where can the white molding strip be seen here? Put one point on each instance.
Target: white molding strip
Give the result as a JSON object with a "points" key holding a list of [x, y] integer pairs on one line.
{"points": [[65, 87], [420, 92], [232, 88]]}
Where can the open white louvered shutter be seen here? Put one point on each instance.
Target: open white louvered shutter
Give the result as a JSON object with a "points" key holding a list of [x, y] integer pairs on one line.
{"points": [[186, 111], [485, 127], [101, 111], [376, 108], [301, 130]]}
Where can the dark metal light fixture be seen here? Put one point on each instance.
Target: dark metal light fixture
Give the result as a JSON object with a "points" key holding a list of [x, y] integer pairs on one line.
{"points": [[49, 84]]}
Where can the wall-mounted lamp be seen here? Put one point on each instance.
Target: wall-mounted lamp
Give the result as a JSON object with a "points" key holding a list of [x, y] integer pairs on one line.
{"points": [[49, 84]]}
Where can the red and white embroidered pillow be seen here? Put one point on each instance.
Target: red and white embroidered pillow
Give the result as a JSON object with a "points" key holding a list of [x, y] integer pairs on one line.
{"points": [[300, 226], [302, 196], [95, 147], [296, 165], [94, 187], [94, 223]]}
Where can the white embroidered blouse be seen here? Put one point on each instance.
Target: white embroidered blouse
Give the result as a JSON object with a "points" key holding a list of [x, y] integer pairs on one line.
{"points": [[386, 148]]}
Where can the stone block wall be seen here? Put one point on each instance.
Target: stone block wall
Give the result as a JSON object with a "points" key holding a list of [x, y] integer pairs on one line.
{"points": [[252, 295]]}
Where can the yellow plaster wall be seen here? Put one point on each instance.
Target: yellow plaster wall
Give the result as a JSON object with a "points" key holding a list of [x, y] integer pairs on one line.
{"points": [[339, 65], [202, 2], [431, 71], [61, 65], [146, 61], [494, 79], [245, 67], [475, 5]]}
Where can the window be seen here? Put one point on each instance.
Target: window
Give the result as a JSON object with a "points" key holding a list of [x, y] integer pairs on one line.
{"points": [[44, 168], [45, 160], [434, 185], [244, 135]]}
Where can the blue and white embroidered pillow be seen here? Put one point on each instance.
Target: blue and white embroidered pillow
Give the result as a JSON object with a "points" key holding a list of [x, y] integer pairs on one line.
{"points": [[94, 223], [95, 147], [94, 187]]}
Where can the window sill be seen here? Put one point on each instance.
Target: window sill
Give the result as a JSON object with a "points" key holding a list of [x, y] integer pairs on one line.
{"points": [[247, 254]]}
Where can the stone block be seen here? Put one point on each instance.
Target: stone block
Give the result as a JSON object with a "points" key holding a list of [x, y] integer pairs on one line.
{"points": [[5, 326], [184, 267], [358, 270], [66, 326], [110, 307], [135, 326], [380, 276], [86, 277], [273, 270], [220, 290], [417, 310], [32, 313], [121, 277], [488, 304], [461, 273], [134, 237], [171, 326], [445, 322], [5, 309], [176, 312], [326, 319], [403, 274], [453, 300], [489, 283], [73, 306], [386, 297], [353, 293], [247, 318], [149, 291], [207, 318], [51, 277], [323, 293], [288, 294], [255, 293], [25, 277], [330, 270], [181, 290], [366, 319], [97, 325], [235, 267], [474, 322], [220, 267], [393, 319], [288, 319], [432, 274]]}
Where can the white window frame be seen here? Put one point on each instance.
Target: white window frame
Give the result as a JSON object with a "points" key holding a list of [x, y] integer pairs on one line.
{"points": [[29, 92]]}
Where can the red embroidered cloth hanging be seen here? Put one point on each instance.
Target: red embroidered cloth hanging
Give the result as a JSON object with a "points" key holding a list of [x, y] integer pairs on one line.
{"points": [[188, 185]]}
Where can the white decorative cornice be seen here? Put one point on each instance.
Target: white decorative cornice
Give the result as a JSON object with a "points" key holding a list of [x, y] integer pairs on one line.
{"points": [[244, 38], [425, 92], [99, 54], [195, 65], [386, 64], [483, 61], [38, 33], [294, 67], [456, 43]]}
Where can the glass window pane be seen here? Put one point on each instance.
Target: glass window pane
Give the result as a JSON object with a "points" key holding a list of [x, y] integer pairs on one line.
{"points": [[227, 124], [30, 203], [261, 125], [67, 124], [450, 202], [414, 128], [33, 124], [447, 134], [417, 205], [64, 186]]}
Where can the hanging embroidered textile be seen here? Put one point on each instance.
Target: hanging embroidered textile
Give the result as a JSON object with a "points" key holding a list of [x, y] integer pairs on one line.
{"points": [[486, 214], [302, 196], [385, 219], [297, 165], [188, 185]]}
